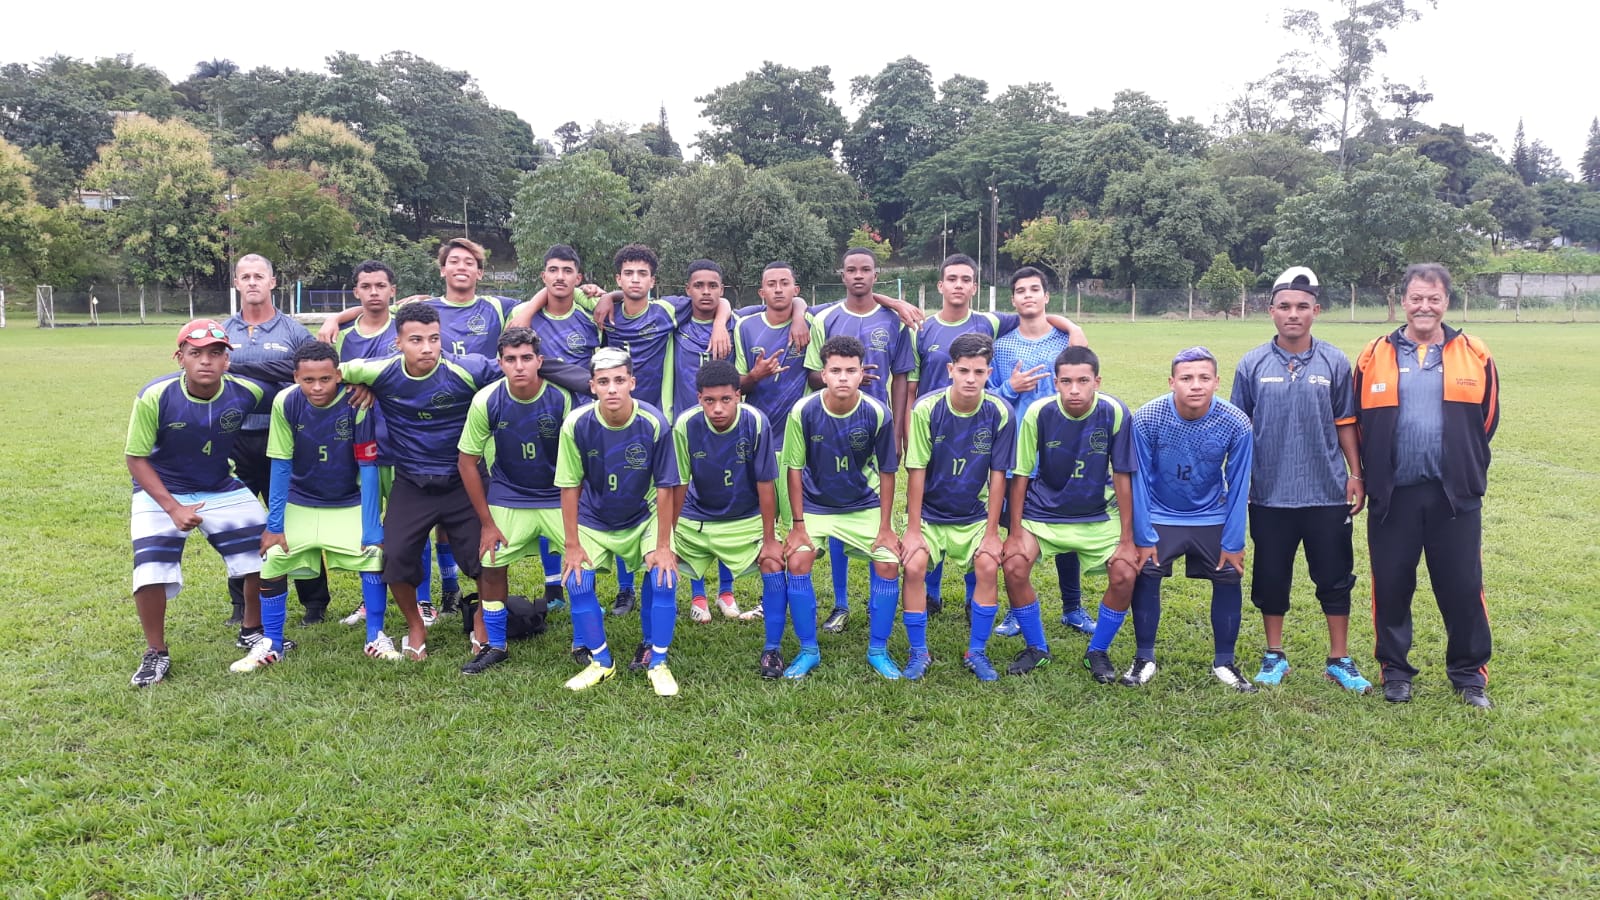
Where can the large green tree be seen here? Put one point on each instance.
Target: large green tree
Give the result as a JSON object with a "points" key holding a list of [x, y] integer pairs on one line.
{"points": [[1257, 171], [1061, 245], [286, 216], [576, 200], [772, 115], [894, 131], [342, 162], [827, 193], [950, 189], [1589, 167], [1168, 221], [1513, 204]]}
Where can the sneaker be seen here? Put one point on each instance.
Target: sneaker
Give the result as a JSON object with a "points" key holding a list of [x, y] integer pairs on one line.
{"points": [[260, 656], [979, 665], [1029, 659], [488, 656], [883, 664], [555, 599], [356, 618], [1274, 665], [803, 664], [581, 656], [1098, 662], [430, 615], [1343, 672], [935, 606], [917, 665], [1473, 695], [449, 602], [834, 623], [152, 668], [728, 605], [382, 647], [753, 614], [314, 617], [699, 609], [1139, 673], [624, 603], [641, 657], [1009, 626], [592, 674], [1231, 676], [247, 639], [1078, 620], [771, 665], [661, 681]]}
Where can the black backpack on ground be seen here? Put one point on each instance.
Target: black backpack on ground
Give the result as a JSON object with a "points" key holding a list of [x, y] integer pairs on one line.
{"points": [[524, 617]]}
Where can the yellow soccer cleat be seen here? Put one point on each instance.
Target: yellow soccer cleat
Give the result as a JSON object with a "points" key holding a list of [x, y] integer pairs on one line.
{"points": [[661, 679], [592, 675]]}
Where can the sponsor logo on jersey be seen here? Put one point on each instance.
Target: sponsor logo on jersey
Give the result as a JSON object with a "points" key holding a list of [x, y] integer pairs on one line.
{"points": [[1319, 380]]}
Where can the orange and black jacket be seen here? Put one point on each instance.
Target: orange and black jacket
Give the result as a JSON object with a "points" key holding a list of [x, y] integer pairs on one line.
{"points": [[1471, 414]]}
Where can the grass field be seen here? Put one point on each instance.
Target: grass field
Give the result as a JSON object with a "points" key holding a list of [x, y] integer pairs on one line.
{"points": [[333, 775]]}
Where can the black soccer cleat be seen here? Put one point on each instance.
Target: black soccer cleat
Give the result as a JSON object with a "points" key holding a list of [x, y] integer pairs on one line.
{"points": [[1029, 659], [487, 657], [1098, 662]]}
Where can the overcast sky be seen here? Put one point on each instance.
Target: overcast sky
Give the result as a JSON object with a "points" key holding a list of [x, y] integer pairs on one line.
{"points": [[1487, 64]]}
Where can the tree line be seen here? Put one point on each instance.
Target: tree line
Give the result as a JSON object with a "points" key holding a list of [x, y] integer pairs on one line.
{"points": [[1321, 162]]}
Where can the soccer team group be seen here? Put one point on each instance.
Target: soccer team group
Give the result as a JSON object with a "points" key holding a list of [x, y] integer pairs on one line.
{"points": [[675, 436]]}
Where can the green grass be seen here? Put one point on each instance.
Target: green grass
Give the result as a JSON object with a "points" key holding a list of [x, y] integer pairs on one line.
{"points": [[333, 775]]}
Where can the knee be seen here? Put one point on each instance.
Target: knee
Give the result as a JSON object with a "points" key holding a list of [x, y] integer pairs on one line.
{"points": [[984, 567], [1018, 569], [800, 563], [916, 566], [1120, 577], [771, 567], [887, 571]]}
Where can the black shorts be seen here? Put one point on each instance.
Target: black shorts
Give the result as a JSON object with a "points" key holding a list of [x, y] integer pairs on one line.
{"points": [[1201, 548], [416, 506], [1278, 533]]}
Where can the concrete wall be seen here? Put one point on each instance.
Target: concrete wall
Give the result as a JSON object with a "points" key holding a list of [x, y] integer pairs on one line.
{"points": [[1550, 287]]}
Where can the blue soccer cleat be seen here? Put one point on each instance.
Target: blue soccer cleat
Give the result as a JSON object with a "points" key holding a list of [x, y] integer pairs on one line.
{"points": [[1078, 620], [1274, 665], [1343, 672], [917, 665], [978, 664], [883, 664], [803, 664], [1009, 626]]}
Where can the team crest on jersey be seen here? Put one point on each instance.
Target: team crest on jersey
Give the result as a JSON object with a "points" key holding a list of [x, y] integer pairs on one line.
{"points": [[343, 428], [442, 399], [477, 325], [575, 342], [860, 438], [231, 420], [1099, 440], [878, 340], [549, 426], [741, 450], [983, 441], [635, 456]]}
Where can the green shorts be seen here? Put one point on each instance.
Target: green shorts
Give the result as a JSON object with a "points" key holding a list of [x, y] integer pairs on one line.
{"points": [[701, 545], [318, 534], [630, 544], [523, 528], [858, 531], [781, 488], [385, 481], [956, 545], [1094, 542]]}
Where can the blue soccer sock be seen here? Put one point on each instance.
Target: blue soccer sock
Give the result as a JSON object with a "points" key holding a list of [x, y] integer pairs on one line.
{"points": [[587, 626], [646, 614], [982, 628], [375, 597], [917, 631], [935, 582], [1068, 575], [274, 609], [971, 581], [839, 568], [624, 576], [1032, 625], [724, 579], [1146, 610], [1226, 600], [663, 601], [803, 610], [1105, 628], [425, 589], [449, 574], [774, 607], [552, 562], [883, 601], [494, 622], [697, 587]]}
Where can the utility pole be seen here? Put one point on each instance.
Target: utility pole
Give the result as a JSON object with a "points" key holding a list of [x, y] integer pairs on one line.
{"points": [[994, 235]]}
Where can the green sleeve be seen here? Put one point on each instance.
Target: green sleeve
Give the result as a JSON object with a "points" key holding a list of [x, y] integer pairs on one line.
{"points": [[740, 364], [362, 371], [280, 435], [569, 459], [814, 349], [680, 440], [587, 303], [794, 440], [144, 423], [1027, 443], [475, 434], [919, 444]]}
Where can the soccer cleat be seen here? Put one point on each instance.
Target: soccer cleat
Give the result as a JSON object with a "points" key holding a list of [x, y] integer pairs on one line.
{"points": [[357, 617], [449, 603], [1078, 620], [771, 665], [641, 657], [1230, 675], [1098, 662], [581, 656], [1343, 672], [1139, 673], [935, 606], [1274, 665], [381, 647], [314, 616], [803, 664], [625, 602], [1473, 695], [1009, 626], [753, 614], [834, 623], [555, 600], [1029, 659], [978, 664], [430, 615], [593, 674], [917, 665], [883, 664], [728, 605], [260, 656], [699, 609], [661, 681], [152, 668], [487, 657]]}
